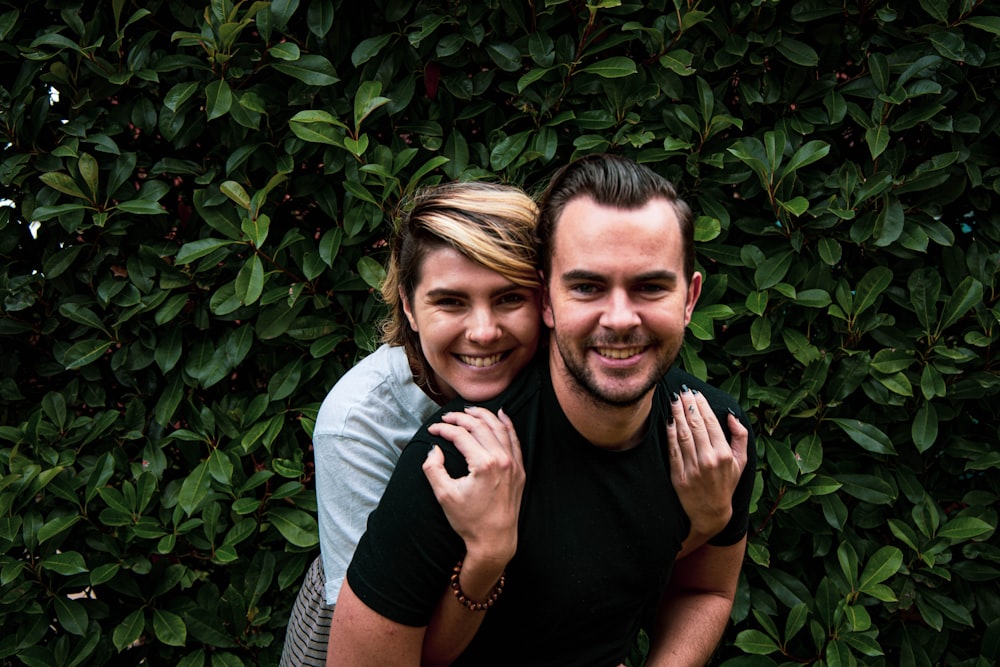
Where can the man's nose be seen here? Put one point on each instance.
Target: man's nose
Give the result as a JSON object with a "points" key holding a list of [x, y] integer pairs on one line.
{"points": [[620, 313]]}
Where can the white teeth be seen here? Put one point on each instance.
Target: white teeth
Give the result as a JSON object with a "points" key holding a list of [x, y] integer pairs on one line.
{"points": [[480, 362], [618, 353]]}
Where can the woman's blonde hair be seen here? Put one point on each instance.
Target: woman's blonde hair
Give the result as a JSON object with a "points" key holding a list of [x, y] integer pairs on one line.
{"points": [[492, 225]]}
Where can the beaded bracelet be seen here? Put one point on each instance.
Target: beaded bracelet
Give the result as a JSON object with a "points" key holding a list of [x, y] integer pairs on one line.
{"points": [[469, 603]]}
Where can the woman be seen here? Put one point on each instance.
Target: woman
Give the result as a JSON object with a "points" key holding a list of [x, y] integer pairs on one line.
{"points": [[462, 288]]}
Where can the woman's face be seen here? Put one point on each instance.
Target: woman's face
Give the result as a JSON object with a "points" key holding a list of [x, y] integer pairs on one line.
{"points": [[477, 329]]}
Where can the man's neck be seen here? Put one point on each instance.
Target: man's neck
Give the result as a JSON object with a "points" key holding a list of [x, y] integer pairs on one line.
{"points": [[606, 426]]}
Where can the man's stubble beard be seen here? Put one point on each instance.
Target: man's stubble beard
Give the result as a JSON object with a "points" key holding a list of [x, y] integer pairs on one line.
{"points": [[583, 381]]}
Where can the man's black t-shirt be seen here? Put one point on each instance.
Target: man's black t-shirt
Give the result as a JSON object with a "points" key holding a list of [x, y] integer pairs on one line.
{"points": [[598, 533]]}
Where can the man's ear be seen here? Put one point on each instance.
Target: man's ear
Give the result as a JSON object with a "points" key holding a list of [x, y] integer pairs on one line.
{"points": [[694, 291], [408, 309], [547, 316]]}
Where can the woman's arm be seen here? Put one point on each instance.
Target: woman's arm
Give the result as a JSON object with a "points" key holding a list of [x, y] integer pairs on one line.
{"points": [[704, 468], [482, 507]]}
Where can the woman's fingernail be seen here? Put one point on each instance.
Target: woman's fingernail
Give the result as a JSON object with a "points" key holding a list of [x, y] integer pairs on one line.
{"points": [[674, 397], [684, 388]]}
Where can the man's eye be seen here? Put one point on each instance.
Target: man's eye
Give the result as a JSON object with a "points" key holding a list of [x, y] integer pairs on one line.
{"points": [[584, 288], [448, 303]]}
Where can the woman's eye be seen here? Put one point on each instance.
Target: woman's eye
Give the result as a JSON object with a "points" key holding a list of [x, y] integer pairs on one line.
{"points": [[512, 299]]}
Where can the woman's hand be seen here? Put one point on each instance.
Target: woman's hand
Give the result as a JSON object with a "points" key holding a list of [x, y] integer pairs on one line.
{"points": [[483, 506], [704, 468]]}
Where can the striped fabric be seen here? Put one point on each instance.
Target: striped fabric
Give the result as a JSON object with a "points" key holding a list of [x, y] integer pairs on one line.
{"points": [[309, 624]]}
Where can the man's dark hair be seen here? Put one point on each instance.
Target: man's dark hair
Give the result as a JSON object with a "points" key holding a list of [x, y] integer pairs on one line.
{"points": [[610, 180]]}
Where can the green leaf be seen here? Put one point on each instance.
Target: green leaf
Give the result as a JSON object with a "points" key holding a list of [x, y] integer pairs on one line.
{"points": [[236, 193], [285, 381], [85, 353], [611, 68], [285, 51], [296, 526], [937, 10], [798, 52], [924, 429], [678, 61], [871, 285], [892, 360], [371, 271], [755, 642], [366, 101], [56, 526], [877, 139], [924, 285], [89, 171], [756, 301], [169, 628], [65, 563], [83, 315], [218, 99], [506, 56], [869, 436], [963, 528], [140, 207], [811, 151], [508, 150], [250, 281], [313, 70], [988, 23], [369, 48], [773, 270], [968, 293], [64, 183], [868, 488], [198, 249], [179, 94], [194, 488], [883, 564], [128, 631], [72, 615]]}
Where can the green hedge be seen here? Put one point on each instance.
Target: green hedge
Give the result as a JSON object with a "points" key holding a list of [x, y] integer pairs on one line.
{"points": [[197, 196]]}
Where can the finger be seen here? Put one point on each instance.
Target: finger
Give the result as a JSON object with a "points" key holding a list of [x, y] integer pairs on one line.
{"points": [[485, 426], [467, 443], [435, 472], [712, 428], [683, 447], [741, 440]]}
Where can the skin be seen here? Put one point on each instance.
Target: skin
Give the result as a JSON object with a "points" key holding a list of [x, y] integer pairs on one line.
{"points": [[622, 367], [477, 329]]}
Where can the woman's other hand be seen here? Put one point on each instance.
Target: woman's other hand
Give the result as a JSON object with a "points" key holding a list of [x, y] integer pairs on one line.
{"points": [[704, 467]]}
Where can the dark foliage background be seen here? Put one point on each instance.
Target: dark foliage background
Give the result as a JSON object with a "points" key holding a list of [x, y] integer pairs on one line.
{"points": [[197, 195]]}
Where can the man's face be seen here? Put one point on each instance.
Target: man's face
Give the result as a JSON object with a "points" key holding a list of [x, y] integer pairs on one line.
{"points": [[617, 299]]}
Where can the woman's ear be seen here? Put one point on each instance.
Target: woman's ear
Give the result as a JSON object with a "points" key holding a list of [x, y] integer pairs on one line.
{"points": [[408, 309]]}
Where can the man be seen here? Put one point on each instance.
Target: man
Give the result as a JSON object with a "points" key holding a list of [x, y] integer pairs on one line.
{"points": [[600, 524]]}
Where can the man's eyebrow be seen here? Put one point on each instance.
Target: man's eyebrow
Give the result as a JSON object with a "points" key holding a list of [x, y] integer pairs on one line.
{"points": [[656, 276], [647, 277], [582, 274]]}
